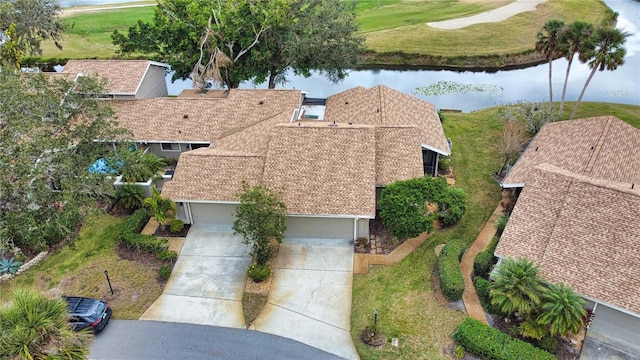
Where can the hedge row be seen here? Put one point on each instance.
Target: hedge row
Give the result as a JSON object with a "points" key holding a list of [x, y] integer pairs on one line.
{"points": [[483, 288], [451, 281], [131, 238], [484, 260], [492, 344]]}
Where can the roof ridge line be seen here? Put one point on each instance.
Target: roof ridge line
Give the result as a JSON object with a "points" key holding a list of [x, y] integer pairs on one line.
{"points": [[596, 151]]}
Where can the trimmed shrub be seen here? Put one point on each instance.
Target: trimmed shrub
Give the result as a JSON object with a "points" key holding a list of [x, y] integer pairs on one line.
{"points": [[130, 196], [146, 243], [501, 222], [492, 344], [164, 271], [259, 273], [134, 223], [548, 343], [451, 281], [491, 248], [176, 225], [167, 255], [403, 205], [452, 204], [482, 264], [131, 238], [483, 287]]}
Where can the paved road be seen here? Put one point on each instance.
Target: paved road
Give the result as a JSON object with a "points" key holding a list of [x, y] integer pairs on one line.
{"points": [[156, 340]]}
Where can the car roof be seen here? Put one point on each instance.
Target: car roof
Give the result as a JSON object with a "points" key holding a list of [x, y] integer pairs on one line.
{"points": [[81, 305]]}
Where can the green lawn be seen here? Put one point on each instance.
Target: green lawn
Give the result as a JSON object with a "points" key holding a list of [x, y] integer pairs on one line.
{"points": [[397, 26], [79, 270], [89, 33], [404, 294]]}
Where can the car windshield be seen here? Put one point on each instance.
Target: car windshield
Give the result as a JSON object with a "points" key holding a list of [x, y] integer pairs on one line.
{"points": [[97, 312]]}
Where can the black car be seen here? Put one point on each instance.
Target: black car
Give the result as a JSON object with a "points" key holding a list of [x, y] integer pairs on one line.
{"points": [[87, 313]]}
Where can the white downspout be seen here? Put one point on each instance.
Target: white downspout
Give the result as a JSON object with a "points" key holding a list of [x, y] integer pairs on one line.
{"points": [[188, 208], [355, 229]]}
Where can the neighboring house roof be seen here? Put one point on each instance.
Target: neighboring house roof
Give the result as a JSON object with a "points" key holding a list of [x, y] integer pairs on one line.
{"points": [[123, 76], [384, 106], [208, 173], [206, 119], [324, 168], [601, 147], [580, 231]]}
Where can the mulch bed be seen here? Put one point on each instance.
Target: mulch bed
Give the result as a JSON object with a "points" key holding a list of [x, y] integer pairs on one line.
{"points": [[379, 238], [160, 232], [566, 350]]}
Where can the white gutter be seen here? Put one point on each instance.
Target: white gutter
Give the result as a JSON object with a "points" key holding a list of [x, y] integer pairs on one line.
{"points": [[441, 152], [355, 228], [339, 216], [511, 185]]}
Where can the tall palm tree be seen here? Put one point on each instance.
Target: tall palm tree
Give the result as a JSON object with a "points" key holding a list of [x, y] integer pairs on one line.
{"points": [[562, 309], [516, 287], [572, 41], [35, 327], [549, 44], [605, 50]]}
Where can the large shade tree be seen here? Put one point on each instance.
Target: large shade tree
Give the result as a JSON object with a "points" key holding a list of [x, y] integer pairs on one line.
{"points": [[36, 327], [47, 131], [604, 51], [34, 21], [548, 44], [230, 41]]}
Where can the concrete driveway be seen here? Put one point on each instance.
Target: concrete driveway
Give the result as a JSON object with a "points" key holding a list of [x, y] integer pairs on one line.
{"points": [[207, 281], [310, 296]]}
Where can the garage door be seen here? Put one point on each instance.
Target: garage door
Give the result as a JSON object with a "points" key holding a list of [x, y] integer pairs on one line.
{"points": [[619, 327], [319, 227], [213, 213]]}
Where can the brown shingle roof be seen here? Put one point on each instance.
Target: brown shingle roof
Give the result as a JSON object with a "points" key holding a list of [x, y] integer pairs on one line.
{"points": [[324, 170], [601, 147], [581, 231], [381, 105], [123, 76], [212, 174], [398, 154], [203, 120]]}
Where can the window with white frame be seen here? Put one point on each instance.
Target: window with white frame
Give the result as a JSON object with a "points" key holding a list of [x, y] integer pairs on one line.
{"points": [[170, 146]]}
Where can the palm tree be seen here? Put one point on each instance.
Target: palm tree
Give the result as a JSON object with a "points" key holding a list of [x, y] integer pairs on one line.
{"points": [[605, 50], [549, 44], [516, 287], [572, 41], [35, 327], [562, 309], [161, 208]]}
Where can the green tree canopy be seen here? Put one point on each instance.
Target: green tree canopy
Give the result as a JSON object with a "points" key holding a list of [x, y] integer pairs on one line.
{"points": [[226, 42], [548, 43], [35, 327], [47, 131], [260, 218], [34, 20], [604, 50]]}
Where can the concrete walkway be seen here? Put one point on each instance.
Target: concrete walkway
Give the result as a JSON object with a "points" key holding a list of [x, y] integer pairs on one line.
{"points": [[207, 281], [470, 297], [495, 15], [310, 296]]}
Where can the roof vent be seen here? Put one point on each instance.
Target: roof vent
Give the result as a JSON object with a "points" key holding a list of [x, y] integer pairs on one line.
{"points": [[185, 116], [350, 123], [333, 124], [261, 102], [346, 103], [536, 148], [632, 185], [592, 148]]}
